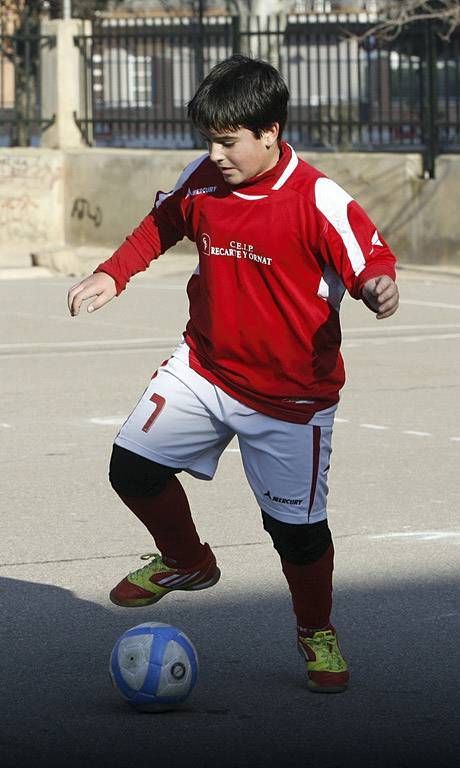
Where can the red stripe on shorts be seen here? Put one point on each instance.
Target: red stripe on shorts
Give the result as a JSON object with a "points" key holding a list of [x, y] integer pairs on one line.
{"points": [[315, 466]]}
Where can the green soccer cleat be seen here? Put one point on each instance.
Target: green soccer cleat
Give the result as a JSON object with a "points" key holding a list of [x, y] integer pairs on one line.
{"points": [[153, 581], [327, 670]]}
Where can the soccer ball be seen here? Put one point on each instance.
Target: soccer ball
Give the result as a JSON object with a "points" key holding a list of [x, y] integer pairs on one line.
{"points": [[154, 666]]}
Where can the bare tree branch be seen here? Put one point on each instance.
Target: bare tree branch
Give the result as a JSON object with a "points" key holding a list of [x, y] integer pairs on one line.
{"points": [[396, 16]]}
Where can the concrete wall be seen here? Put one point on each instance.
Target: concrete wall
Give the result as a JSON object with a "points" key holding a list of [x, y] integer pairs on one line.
{"points": [[94, 197], [108, 191], [31, 201]]}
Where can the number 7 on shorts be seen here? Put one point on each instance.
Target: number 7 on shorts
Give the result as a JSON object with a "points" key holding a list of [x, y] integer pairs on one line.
{"points": [[160, 404]]}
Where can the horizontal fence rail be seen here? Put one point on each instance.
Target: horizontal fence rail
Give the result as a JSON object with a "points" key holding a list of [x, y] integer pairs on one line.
{"points": [[21, 118], [348, 91]]}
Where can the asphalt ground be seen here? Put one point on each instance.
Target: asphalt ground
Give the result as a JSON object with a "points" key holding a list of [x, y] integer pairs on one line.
{"points": [[66, 384]]}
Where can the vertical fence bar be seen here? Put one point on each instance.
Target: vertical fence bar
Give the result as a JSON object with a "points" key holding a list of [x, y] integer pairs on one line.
{"points": [[456, 55], [431, 102], [90, 94], [349, 95], [327, 64], [319, 89], [338, 70], [200, 42], [15, 129], [136, 62], [28, 122], [358, 130], [236, 34], [116, 75]]}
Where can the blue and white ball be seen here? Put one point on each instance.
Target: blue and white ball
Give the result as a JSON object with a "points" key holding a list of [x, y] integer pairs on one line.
{"points": [[154, 666]]}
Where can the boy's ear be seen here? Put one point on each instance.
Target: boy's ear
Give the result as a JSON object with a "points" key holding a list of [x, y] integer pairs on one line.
{"points": [[271, 134]]}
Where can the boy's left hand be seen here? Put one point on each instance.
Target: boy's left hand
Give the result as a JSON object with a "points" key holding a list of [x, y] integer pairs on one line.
{"points": [[381, 295]]}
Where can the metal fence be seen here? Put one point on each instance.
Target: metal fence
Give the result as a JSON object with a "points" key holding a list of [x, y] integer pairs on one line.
{"points": [[21, 118], [347, 92], [139, 74]]}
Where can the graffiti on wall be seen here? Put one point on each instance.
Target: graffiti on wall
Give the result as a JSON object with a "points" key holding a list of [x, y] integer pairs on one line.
{"points": [[28, 190], [82, 209], [36, 171]]}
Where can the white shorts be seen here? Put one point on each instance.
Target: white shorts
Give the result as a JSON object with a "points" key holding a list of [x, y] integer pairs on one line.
{"points": [[184, 421]]}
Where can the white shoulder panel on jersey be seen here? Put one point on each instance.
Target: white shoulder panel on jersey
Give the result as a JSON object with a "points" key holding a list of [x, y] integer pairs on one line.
{"points": [[186, 173], [333, 201]]}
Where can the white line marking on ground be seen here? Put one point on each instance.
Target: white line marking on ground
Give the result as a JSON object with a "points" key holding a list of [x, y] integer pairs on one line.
{"points": [[5, 425], [83, 353], [440, 304], [425, 337], [415, 432], [107, 420], [88, 343], [99, 322], [159, 287], [382, 340], [418, 535], [389, 328], [412, 432]]}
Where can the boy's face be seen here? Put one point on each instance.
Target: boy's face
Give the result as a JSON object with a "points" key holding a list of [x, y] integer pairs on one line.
{"points": [[239, 155]]}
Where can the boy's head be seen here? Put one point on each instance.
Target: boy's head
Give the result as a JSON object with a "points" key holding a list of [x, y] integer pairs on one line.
{"points": [[240, 93], [241, 110]]}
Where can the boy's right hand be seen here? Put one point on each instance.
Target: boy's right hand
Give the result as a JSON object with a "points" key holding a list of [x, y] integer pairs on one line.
{"points": [[100, 286]]}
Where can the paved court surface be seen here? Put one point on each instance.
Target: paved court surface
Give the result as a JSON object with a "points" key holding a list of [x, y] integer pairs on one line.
{"points": [[65, 385]]}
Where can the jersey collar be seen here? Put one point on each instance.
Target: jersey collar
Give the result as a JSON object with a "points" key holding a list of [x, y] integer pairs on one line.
{"points": [[261, 186]]}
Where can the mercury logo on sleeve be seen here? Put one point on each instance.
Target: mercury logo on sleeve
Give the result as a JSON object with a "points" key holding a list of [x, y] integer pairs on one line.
{"points": [[200, 191]]}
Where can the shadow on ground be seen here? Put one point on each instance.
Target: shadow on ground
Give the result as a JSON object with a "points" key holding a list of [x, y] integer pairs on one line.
{"points": [[250, 707]]}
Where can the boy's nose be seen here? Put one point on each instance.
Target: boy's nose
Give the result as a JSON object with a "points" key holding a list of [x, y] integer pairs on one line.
{"points": [[216, 153]]}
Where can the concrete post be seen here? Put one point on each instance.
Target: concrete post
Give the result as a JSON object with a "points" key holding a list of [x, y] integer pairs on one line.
{"points": [[60, 84]]}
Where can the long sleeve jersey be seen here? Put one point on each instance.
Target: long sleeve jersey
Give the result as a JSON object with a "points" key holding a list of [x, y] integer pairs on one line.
{"points": [[275, 256]]}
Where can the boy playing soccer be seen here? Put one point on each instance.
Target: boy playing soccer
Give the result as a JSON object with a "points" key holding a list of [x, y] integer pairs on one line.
{"points": [[278, 245]]}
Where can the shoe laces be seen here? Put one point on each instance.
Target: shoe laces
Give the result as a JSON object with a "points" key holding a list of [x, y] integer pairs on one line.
{"points": [[155, 561], [324, 645]]}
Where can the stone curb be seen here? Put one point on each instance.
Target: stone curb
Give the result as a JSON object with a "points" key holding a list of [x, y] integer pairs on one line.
{"points": [[82, 260], [431, 269], [25, 273]]}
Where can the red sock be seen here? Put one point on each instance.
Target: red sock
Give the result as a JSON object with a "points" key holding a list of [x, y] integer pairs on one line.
{"points": [[311, 590], [168, 518]]}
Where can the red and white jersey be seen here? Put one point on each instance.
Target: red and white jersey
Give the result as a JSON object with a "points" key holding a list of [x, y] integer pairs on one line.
{"points": [[276, 255]]}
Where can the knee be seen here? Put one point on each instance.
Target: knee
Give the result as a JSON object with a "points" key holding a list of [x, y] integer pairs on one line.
{"points": [[135, 476], [298, 544]]}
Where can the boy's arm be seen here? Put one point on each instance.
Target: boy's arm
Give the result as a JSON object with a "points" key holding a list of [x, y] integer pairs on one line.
{"points": [[162, 228], [351, 243], [159, 230]]}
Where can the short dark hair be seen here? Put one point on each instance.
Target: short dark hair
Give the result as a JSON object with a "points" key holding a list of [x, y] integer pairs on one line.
{"points": [[240, 92]]}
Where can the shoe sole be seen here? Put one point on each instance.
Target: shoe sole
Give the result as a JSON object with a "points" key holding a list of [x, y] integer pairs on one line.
{"points": [[315, 688], [143, 601], [329, 689]]}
